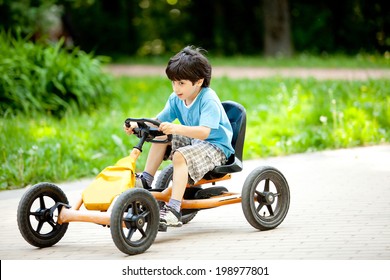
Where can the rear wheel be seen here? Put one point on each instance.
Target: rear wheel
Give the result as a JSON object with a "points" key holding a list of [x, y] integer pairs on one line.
{"points": [[38, 212], [265, 198]]}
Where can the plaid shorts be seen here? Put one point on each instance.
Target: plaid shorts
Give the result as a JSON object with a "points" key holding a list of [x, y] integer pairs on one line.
{"points": [[201, 156]]}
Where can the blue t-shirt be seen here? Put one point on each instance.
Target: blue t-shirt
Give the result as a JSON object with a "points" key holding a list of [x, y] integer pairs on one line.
{"points": [[206, 110]]}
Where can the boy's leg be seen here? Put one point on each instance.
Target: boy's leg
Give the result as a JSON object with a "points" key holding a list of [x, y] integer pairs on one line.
{"points": [[153, 162], [180, 176], [192, 158], [170, 215], [155, 157]]}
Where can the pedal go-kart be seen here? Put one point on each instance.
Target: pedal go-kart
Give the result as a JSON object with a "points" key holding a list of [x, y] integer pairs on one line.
{"points": [[132, 214]]}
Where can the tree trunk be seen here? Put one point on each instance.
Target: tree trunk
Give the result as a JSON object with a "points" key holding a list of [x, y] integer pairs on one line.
{"points": [[277, 35]]}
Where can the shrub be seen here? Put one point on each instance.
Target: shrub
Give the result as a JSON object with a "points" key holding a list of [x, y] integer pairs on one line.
{"points": [[49, 78]]}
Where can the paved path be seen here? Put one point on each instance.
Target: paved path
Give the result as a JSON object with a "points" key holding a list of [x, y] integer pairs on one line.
{"points": [[340, 210], [259, 72]]}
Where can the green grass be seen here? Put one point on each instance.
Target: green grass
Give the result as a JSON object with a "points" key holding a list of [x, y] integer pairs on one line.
{"points": [[285, 116]]}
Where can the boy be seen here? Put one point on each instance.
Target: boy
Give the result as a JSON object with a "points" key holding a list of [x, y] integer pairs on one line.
{"points": [[200, 142]]}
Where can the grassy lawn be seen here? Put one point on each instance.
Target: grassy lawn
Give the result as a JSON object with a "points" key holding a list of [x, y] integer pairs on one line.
{"points": [[284, 116]]}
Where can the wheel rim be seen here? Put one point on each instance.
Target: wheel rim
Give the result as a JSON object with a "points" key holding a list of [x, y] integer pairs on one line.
{"points": [[136, 222], [269, 197], [43, 220]]}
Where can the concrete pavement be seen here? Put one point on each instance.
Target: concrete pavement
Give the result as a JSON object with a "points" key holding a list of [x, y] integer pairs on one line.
{"points": [[340, 210]]}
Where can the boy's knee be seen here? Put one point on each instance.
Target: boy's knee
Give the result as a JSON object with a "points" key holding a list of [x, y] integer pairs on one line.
{"points": [[178, 158]]}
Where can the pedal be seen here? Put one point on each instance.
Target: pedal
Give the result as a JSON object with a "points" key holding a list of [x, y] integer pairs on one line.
{"points": [[191, 192]]}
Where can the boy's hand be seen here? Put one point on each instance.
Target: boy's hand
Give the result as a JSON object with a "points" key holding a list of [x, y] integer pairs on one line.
{"points": [[129, 130], [197, 132], [168, 128]]}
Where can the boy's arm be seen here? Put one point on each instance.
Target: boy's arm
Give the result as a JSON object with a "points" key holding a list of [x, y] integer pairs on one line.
{"points": [[197, 132]]}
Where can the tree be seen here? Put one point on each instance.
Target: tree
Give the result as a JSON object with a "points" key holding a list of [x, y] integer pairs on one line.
{"points": [[277, 34]]}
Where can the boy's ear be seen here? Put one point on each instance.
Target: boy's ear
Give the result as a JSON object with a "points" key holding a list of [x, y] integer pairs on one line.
{"points": [[200, 82]]}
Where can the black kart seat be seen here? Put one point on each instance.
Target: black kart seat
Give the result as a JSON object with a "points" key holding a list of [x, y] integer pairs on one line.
{"points": [[237, 117]]}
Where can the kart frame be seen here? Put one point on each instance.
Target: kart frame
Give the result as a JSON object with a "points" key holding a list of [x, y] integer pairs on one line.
{"points": [[133, 215]]}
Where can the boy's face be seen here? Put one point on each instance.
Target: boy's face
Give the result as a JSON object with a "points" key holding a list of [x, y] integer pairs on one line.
{"points": [[187, 91]]}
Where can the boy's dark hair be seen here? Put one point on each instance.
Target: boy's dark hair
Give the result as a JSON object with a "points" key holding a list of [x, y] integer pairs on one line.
{"points": [[189, 64]]}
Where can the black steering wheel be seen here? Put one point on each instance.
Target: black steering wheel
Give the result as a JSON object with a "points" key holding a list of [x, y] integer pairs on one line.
{"points": [[147, 132]]}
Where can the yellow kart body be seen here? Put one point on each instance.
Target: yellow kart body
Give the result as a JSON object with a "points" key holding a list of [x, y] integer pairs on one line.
{"points": [[109, 183]]}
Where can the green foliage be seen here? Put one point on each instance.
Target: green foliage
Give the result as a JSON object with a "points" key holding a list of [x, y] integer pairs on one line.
{"points": [[48, 78], [229, 27], [292, 115], [43, 148], [31, 16], [284, 116]]}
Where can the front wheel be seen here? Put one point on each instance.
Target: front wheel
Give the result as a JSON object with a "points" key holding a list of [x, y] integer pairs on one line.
{"points": [[265, 198], [134, 221], [38, 212]]}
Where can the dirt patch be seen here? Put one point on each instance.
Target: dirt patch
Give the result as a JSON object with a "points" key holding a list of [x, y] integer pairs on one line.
{"points": [[258, 72]]}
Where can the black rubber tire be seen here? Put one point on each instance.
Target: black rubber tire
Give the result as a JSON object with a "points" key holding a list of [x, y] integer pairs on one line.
{"points": [[37, 215], [139, 211], [252, 207], [163, 181]]}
